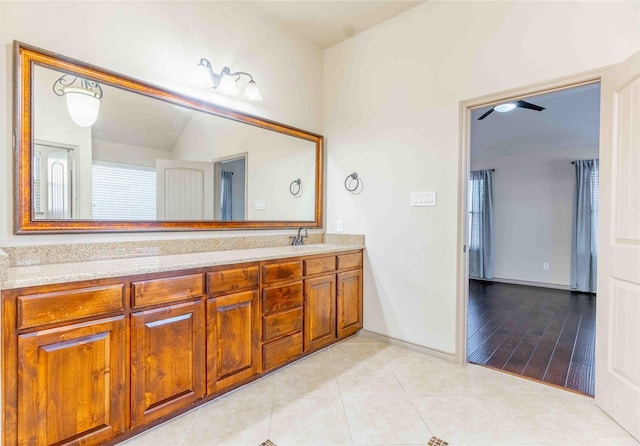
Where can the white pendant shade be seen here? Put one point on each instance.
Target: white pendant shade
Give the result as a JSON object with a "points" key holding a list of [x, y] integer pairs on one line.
{"points": [[228, 85], [201, 77], [83, 106], [252, 92]]}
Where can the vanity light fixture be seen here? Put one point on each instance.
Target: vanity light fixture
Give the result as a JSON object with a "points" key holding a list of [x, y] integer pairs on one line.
{"points": [[83, 98], [226, 82]]}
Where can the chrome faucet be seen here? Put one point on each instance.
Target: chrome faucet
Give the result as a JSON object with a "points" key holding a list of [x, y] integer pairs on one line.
{"points": [[299, 239]]}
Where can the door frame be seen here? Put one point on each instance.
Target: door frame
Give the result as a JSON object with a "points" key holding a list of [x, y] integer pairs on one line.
{"points": [[217, 176], [72, 159], [465, 107]]}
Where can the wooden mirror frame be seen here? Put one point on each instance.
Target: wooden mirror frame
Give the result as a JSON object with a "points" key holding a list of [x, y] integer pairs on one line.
{"points": [[27, 56]]}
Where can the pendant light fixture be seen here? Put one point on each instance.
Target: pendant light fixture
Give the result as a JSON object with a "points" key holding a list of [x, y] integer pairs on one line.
{"points": [[83, 98], [225, 82]]}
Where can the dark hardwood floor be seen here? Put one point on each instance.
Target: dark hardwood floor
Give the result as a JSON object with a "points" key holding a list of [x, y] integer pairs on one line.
{"points": [[541, 333]]}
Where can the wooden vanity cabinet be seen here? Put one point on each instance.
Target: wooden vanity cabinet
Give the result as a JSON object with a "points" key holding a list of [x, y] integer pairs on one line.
{"points": [[282, 312], [319, 302], [233, 326], [167, 346], [167, 360], [89, 362], [332, 299], [64, 364], [349, 295]]}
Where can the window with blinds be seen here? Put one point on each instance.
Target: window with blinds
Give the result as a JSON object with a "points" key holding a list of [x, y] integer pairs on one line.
{"points": [[123, 192]]}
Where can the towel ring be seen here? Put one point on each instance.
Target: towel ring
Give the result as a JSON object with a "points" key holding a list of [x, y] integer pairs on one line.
{"points": [[295, 187], [348, 184]]}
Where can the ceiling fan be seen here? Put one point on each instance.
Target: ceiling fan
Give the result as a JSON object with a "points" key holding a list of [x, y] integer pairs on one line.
{"points": [[508, 106]]}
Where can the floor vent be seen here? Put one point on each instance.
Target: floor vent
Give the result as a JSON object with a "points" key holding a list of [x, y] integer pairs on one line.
{"points": [[435, 441]]}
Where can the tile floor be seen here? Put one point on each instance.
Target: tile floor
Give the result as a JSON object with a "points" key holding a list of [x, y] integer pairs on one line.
{"points": [[368, 393]]}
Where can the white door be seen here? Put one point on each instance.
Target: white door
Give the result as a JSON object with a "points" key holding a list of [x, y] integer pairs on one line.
{"points": [[184, 190], [53, 185], [617, 389]]}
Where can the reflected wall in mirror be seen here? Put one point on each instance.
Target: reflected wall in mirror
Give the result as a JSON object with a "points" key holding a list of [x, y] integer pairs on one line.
{"points": [[153, 159]]}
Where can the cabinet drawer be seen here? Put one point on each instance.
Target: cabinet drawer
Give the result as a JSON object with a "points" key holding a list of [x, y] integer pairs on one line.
{"points": [[157, 291], [279, 352], [277, 272], [278, 324], [281, 298], [319, 265], [228, 281], [349, 261], [62, 306]]}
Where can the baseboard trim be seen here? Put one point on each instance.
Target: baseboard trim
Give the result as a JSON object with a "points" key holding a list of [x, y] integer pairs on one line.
{"points": [[525, 283], [409, 345]]}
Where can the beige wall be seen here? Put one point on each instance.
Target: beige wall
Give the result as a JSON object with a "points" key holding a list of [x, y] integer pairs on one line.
{"points": [[161, 42], [392, 98], [533, 205], [273, 161]]}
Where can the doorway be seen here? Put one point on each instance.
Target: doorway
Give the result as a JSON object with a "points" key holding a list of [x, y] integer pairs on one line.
{"points": [[230, 176], [54, 182], [524, 314]]}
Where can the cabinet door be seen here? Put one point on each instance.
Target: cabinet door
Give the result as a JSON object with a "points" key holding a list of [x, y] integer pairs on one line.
{"points": [[319, 311], [71, 383], [233, 336], [349, 302], [167, 360]]}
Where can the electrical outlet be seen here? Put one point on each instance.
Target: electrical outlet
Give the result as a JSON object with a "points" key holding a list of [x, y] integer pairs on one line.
{"points": [[339, 226], [545, 266]]}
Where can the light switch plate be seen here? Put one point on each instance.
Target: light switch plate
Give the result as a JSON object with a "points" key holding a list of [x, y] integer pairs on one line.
{"points": [[260, 204], [339, 225], [424, 198]]}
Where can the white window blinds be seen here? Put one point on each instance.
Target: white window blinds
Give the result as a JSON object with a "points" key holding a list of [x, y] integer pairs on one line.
{"points": [[123, 192]]}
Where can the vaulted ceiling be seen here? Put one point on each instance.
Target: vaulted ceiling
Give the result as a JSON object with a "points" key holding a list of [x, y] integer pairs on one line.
{"points": [[328, 22]]}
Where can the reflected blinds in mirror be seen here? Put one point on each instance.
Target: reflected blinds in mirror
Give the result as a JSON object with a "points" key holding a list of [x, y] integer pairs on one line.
{"points": [[111, 181]]}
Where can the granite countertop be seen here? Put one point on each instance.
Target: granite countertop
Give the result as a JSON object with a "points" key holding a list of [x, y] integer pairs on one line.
{"points": [[33, 275]]}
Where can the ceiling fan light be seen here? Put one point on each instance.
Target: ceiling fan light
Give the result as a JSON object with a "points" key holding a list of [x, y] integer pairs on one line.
{"points": [[252, 92], [502, 108], [228, 85], [83, 105]]}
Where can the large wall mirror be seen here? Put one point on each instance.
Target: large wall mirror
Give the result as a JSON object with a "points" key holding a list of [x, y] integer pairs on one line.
{"points": [[153, 160]]}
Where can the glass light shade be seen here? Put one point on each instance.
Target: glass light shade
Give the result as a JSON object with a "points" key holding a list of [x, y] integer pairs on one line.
{"points": [[228, 85], [83, 106], [502, 108], [201, 77], [252, 92]]}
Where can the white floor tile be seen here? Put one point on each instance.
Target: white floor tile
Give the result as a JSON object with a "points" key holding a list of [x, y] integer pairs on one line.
{"points": [[363, 392], [384, 421], [231, 422], [367, 380], [306, 382], [309, 421], [462, 419]]}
